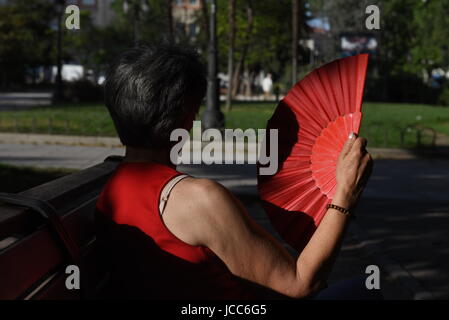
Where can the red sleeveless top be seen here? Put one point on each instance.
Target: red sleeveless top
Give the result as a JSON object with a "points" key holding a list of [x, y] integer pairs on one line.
{"points": [[146, 259]]}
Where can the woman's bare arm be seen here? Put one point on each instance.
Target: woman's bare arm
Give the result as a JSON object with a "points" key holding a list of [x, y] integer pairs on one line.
{"points": [[202, 212]]}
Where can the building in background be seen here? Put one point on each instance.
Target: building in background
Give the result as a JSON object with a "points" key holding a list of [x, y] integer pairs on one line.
{"points": [[100, 10], [185, 13]]}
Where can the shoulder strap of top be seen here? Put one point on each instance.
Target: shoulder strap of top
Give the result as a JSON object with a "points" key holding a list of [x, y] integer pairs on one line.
{"points": [[166, 191]]}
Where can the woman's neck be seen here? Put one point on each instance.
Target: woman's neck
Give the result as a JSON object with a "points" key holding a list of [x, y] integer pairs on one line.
{"points": [[148, 155]]}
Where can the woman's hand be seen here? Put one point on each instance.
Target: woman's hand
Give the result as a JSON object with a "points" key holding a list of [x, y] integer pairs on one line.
{"points": [[353, 170]]}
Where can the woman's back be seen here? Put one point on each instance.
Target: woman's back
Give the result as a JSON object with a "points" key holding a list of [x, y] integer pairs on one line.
{"points": [[146, 260]]}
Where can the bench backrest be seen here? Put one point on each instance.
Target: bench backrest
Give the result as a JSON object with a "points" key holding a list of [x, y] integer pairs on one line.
{"points": [[33, 260]]}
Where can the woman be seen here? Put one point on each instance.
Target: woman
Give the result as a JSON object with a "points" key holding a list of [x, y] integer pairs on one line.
{"points": [[172, 236]]}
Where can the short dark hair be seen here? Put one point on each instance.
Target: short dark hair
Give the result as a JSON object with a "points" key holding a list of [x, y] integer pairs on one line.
{"points": [[152, 90]]}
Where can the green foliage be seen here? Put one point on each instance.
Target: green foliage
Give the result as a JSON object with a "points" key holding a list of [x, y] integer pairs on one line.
{"points": [[414, 36], [443, 99], [94, 47], [24, 37], [269, 45], [152, 24], [83, 91], [397, 35], [432, 33]]}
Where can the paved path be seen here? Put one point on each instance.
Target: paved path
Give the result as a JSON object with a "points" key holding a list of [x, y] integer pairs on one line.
{"points": [[402, 224], [55, 156], [405, 214]]}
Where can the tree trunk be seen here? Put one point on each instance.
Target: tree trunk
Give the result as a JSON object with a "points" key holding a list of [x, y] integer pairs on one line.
{"points": [[295, 39], [171, 35], [232, 32], [205, 16], [247, 80], [241, 62]]}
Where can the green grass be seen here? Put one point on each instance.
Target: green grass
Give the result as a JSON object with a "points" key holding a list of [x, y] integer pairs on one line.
{"points": [[91, 120], [16, 179], [382, 122]]}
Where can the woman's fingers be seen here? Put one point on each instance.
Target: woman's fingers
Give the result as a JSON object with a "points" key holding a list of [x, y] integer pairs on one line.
{"points": [[365, 167], [360, 144], [353, 168], [348, 144]]}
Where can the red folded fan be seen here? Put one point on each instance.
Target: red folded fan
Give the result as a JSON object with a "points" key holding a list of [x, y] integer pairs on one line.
{"points": [[314, 121]]}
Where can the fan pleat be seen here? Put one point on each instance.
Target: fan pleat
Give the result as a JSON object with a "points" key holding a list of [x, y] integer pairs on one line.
{"points": [[350, 73], [345, 89], [306, 138], [318, 90], [313, 197], [308, 134], [356, 120], [294, 203], [290, 180], [290, 171], [349, 127], [331, 134], [309, 101], [297, 161], [325, 175], [362, 63], [318, 203], [332, 190], [328, 182], [313, 127], [337, 85], [324, 108], [317, 163], [306, 109], [342, 136], [289, 197], [321, 210], [302, 148], [329, 186], [332, 102], [324, 149]]}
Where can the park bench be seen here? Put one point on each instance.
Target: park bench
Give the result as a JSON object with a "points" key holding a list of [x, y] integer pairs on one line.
{"points": [[47, 228]]}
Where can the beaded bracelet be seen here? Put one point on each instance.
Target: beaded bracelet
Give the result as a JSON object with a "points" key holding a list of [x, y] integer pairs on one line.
{"points": [[341, 209]]}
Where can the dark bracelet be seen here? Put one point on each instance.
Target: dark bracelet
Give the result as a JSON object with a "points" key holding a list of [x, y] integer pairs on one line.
{"points": [[338, 208]]}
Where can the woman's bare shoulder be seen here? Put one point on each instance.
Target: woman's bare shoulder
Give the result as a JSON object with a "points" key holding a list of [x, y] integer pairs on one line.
{"points": [[200, 190], [196, 207]]}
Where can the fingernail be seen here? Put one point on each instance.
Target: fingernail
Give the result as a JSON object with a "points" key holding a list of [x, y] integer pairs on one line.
{"points": [[351, 135]]}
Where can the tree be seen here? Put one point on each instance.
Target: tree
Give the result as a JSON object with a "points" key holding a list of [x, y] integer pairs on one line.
{"points": [[205, 19], [295, 40], [25, 38], [245, 47], [232, 32], [262, 39], [94, 47], [429, 48], [154, 23], [171, 35]]}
